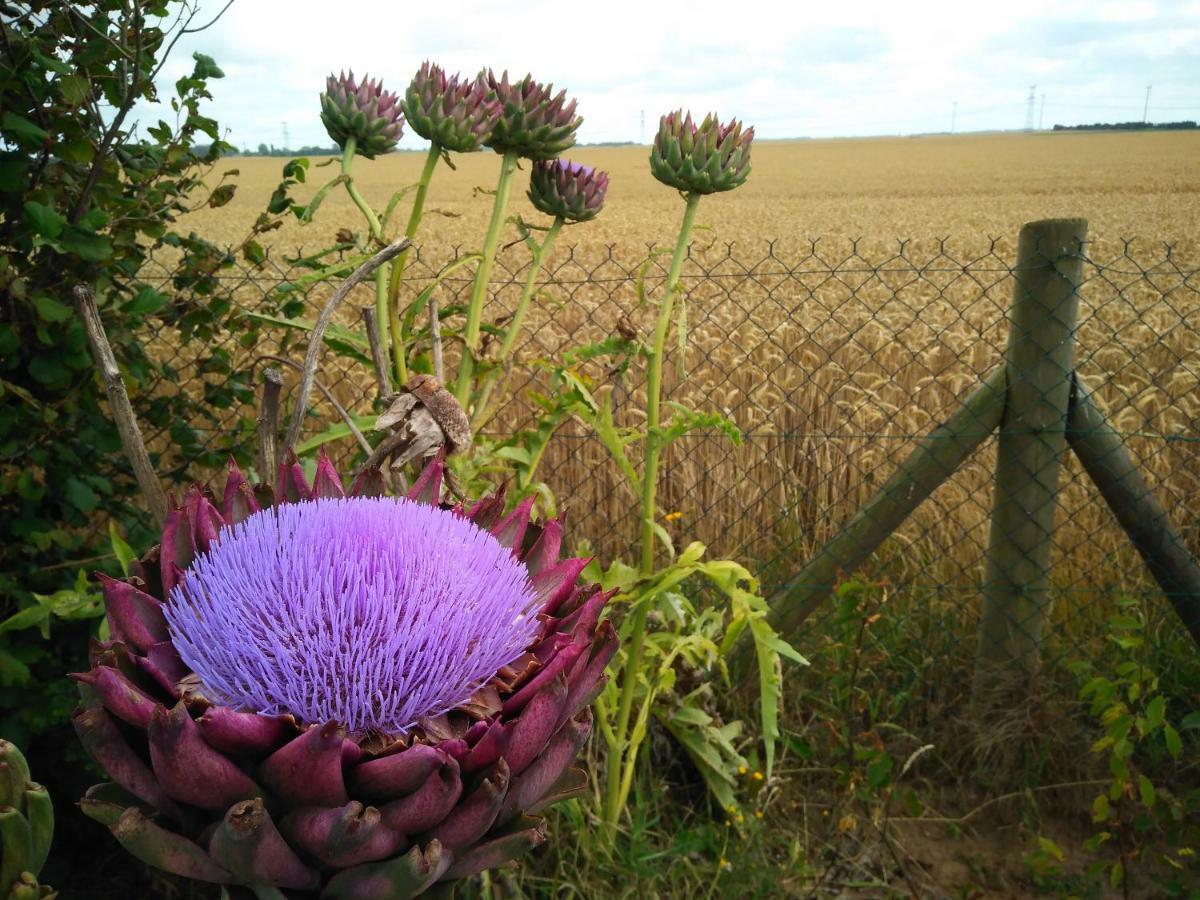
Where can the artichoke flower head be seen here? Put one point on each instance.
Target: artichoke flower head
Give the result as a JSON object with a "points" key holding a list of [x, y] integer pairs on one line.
{"points": [[363, 111], [339, 693], [703, 159]]}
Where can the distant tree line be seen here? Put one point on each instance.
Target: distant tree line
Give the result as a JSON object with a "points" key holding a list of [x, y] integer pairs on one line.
{"points": [[311, 150], [1129, 126]]}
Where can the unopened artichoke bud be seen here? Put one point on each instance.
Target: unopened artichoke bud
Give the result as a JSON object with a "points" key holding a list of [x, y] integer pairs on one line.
{"points": [[535, 122], [365, 112], [325, 690], [26, 826], [701, 159], [567, 190], [451, 112]]}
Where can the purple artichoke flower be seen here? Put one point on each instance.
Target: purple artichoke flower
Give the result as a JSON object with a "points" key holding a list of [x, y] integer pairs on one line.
{"points": [[536, 123], [452, 112], [352, 696], [702, 159], [567, 190], [365, 112]]}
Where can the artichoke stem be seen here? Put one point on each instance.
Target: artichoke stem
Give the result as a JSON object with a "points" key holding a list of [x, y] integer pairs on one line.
{"points": [[518, 319], [615, 790], [401, 263], [491, 244], [381, 307]]}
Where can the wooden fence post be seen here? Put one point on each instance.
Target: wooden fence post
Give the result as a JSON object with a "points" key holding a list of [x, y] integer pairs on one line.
{"points": [[1104, 457], [1040, 360]]}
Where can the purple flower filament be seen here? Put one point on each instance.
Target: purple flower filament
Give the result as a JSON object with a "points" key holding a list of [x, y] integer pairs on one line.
{"points": [[371, 612]]}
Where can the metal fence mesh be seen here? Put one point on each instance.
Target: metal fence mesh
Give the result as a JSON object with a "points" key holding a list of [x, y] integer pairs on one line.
{"points": [[834, 359]]}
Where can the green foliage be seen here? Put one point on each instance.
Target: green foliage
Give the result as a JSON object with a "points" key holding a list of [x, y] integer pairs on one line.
{"points": [[1141, 816], [85, 198], [684, 664], [853, 710]]}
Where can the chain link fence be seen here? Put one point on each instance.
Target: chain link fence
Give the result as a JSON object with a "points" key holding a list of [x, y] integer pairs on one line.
{"points": [[835, 358]]}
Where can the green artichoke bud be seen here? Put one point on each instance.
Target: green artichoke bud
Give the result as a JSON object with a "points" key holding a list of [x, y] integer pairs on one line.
{"points": [[453, 113], [705, 159], [365, 112], [567, 190], [535, 123], [26, 826]]}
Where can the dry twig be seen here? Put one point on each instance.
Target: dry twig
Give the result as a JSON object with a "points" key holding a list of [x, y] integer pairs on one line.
{"points": [[317, 337], [119, 405]]}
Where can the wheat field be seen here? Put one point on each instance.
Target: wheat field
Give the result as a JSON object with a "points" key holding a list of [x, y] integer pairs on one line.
{"points": [[1126, 185], [834, 357]]}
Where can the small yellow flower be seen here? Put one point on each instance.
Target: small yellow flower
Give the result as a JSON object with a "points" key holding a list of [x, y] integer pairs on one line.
{"points": [[740, 818], [758, 814], [742, 770], [758, 776], [725, 864], [1186, 851], [673, 517]]}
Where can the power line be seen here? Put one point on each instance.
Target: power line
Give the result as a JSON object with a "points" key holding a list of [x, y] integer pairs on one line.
{"points": [[1146, 105], [1029, 107]]}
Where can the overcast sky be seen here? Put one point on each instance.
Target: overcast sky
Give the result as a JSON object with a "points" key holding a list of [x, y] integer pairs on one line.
{"points": [[790, 69]]}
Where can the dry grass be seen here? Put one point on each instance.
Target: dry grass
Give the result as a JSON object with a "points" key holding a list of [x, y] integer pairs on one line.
{"points": [[834, 377]]}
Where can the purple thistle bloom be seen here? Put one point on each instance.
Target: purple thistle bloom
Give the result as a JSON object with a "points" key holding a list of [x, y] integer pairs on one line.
{"points": [[370, 612]]}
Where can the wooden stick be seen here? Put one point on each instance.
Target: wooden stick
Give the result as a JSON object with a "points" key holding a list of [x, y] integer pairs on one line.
{"points": [[382, 380], [268, 424], [1104, 457], [328, 394], [316, 339], [435, 339], [119, 405]]}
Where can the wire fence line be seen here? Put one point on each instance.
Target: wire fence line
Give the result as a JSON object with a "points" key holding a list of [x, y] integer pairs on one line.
{"points": [[835, 359]]}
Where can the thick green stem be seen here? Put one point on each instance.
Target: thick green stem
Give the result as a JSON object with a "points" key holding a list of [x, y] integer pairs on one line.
{"points": [[518, 319], [381, 296], [491, 243], [614, 795], [398, 267], [359, 201]]}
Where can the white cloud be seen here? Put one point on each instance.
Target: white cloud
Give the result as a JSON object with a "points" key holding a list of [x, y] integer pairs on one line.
{"points": [[820, 69]]}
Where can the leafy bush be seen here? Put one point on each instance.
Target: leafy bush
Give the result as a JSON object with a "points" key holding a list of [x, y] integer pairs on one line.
{"points": [[85, 199]]}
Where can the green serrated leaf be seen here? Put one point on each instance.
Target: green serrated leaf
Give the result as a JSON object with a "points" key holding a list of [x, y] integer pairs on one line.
{"points": [[1173, 741], [30, 617], [1146, 791], [145, 302], [52, 310], [43, 220], [206, 67], [73, 88], [253, 252], [124, 553], [221, 195], [79, 495], [519, 455], [21, 130], [86, 245]]}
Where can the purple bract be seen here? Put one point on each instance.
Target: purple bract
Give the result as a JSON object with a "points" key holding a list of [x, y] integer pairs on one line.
{"points": [[372, 612]]}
